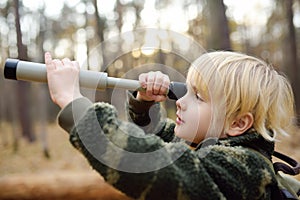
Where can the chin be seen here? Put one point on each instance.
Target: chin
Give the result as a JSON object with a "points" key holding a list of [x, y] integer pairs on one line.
{"points": [[180, 133], [177, 132]]}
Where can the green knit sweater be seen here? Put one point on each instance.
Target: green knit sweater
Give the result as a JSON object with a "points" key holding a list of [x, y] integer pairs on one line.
{"points": [[158, 165]]}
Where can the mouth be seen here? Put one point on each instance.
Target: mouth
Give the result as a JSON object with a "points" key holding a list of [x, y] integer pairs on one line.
{"points": [[179, 121]]}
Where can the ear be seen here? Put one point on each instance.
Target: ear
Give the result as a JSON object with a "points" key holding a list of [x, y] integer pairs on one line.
{"points": [[241, 124]]}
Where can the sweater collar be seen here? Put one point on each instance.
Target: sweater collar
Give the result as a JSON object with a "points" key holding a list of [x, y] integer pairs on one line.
{"points": [[250, 139]]}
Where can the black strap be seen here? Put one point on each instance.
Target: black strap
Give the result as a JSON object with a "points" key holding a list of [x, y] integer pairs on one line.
{"points": [[292, 169]]}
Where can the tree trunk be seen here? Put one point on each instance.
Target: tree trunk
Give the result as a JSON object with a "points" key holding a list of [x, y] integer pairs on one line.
{"points": [[42, 95], [100, 26], [290, 57], [23, 89], [218, 24]]}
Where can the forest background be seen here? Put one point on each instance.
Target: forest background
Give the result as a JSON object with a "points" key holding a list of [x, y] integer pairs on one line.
{"points": [[30, 140]]}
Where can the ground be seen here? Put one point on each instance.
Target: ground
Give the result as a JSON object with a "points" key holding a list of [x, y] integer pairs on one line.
{"points": [[28, 174], [29, 157], [65, 163]]}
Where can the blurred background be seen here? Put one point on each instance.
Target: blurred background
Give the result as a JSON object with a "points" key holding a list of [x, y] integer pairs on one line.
{"points": [[30, 140]]}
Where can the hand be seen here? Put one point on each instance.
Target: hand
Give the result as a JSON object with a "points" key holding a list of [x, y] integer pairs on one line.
{"points": [[156, 85], [63, 80]]}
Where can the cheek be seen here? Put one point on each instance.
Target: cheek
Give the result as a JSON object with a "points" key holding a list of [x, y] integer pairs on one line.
{"points": [[189, 130], [197, 128]]}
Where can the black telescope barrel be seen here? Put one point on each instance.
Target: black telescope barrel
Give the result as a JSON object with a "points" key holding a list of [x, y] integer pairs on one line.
{"points": [[29, 71]]}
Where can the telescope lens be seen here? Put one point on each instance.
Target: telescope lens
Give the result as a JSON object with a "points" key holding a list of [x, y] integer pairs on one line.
{"points": [[10, 69]]}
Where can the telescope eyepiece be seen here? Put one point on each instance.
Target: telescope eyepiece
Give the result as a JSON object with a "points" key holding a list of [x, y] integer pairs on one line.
{"points": [[177, 90]]}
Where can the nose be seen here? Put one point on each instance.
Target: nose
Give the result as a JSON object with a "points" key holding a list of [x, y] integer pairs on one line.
{"points": [[180, 103]]}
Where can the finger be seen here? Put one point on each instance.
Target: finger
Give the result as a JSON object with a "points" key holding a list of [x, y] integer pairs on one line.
{"points": [[159, 98], [157, 83], [165, 85], [162, 83], [76, 64], [67, 62], [57, 63], [48, 61], [143, 80], [150, 82]]}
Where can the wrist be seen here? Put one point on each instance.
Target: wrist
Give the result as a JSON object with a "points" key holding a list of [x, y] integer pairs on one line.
{"points": [[64, 101]]}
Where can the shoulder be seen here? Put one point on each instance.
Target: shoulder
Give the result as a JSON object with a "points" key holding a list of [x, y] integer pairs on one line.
{"points": [[238, 163], [232, 155]]}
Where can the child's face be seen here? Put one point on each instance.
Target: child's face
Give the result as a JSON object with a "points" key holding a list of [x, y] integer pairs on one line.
{"points": [[193, 116]]}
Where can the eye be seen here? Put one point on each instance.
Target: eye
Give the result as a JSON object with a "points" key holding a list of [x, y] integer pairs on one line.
{"points": [[198, 96]]}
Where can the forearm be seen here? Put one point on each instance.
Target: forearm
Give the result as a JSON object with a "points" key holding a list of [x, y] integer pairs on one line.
{"points": [[139, 111], [149, 117]]}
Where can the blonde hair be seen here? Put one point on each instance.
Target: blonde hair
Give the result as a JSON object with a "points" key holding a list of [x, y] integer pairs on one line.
{"points": [[245, 84]]}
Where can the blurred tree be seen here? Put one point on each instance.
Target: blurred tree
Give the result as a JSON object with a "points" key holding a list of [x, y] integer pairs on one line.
{"points": [[41, 95], [209, 27], [280, 44], [290, 45], [99, 28], [23, 89], [3, 114], [8, 88], [218, 37]]}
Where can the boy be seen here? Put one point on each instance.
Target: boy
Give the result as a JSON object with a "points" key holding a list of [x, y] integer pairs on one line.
{"points": [[228, 119]]}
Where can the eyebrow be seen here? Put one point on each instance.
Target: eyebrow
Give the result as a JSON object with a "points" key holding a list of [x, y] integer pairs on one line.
{"points": [[194, 88]]}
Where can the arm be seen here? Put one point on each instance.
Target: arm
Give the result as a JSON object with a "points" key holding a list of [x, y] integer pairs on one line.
{"points": [[136, 164], [144, 108], [143, 166], [149, 117], [117, 150]]}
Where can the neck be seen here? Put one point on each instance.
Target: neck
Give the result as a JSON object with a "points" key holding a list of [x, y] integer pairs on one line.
{"points": [[192, 145]]}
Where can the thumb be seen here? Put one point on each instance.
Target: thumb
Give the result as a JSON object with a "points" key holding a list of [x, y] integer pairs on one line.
{"points": [[160, 98]]}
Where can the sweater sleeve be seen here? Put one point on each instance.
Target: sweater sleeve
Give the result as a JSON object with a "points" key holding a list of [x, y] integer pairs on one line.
{"points": [[73, 112], [142, 166], [150, 117], [133, 162]]}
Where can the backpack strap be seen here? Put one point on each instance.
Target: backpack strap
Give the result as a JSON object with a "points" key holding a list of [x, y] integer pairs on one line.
{"points": [[293, 169], [289, 187]]}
